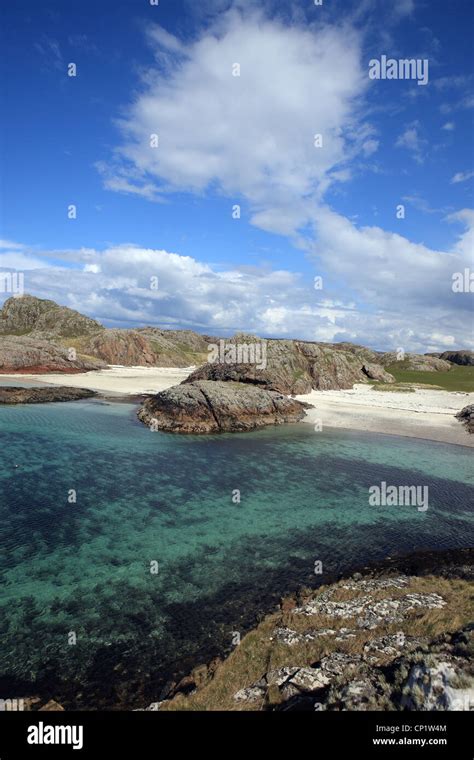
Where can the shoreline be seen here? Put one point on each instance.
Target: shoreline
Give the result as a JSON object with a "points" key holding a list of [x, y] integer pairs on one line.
{"points": [[442, 567], [424, 414], [454, 563]]}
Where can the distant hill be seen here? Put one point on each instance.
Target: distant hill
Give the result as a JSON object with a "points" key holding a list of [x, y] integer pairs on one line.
{"points": [[30, 325], [36, 316], [39, 335], [465, 358]]}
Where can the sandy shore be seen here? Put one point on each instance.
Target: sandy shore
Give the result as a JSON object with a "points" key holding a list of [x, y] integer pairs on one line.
{"points": [[423, 414], [116, 380]]}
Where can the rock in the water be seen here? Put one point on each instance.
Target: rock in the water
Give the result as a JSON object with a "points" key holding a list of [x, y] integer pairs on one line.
{"points": [[212, 407], [17, 395], [466, 416]]}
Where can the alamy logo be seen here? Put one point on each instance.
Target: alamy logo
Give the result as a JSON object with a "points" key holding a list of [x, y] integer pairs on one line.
{"points": [[463, 282], [404, 68], [238, 353], [399, 496], [12, 282], [42, 734], [12, 705]]}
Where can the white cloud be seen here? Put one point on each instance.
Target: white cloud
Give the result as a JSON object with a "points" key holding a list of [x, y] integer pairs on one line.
{"points": [[370, 146], [412, 141], [11, 245], [16, 256], [251, 135], [390, 292], [461, 177], [449, 126]]}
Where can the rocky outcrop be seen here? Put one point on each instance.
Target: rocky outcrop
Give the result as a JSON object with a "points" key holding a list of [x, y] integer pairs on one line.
{"points": [[148, 347], [27, 314], [466, 416], [126, 347], [376, 372], [291, 367], [423, 675], [415, 362], [362, 353], [64, 328], [213, 407], [393, 637], [459, 357], [25, 354], [17, 395]]}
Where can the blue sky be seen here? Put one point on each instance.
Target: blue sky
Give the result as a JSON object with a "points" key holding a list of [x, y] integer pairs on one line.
{"points": [[306, 211]]}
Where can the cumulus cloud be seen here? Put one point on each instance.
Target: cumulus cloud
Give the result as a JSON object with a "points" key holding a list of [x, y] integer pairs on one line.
{"points": [[251, 134], [195, 127], [390, 291], [15, 256]]}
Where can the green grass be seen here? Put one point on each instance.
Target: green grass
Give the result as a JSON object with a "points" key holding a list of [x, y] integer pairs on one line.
{"points": [[457, 379]]}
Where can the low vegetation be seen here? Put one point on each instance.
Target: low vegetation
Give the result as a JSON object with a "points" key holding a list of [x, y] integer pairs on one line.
{"points": [[260, 652], [457, 379]]}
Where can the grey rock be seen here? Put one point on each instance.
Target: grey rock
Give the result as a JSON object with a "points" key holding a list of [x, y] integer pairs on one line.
{"points": [[415, 362], [368, 613], [14, 395], [462, 357], [249, 694], [292, 367], [28, 314], [28, 354], [377, 372], [466, 416], [212, 407]]}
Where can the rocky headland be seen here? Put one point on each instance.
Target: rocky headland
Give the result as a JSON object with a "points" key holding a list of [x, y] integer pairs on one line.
{"points": [[40, 336]]}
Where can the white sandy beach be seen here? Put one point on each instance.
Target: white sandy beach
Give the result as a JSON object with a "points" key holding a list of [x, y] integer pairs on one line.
{"points": [[116, 380], [423, 414]]}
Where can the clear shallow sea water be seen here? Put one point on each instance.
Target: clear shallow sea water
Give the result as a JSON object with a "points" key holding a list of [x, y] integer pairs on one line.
{"points": [[143, 497]]}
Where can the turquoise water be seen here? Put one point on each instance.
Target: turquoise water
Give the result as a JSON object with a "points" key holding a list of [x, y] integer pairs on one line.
{"points": [[147, 497]]}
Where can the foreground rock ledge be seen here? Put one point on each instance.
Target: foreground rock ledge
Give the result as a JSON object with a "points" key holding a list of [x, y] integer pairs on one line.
{"points": [[211, 407], [18, 395]]}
